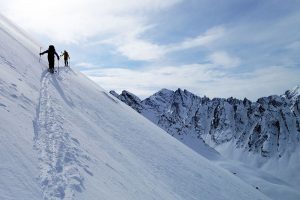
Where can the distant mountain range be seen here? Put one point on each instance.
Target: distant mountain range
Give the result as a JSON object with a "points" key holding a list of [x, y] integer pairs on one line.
{"points": [[257, 133]]}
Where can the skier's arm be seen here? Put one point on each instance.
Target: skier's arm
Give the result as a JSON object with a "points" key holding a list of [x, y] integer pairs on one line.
{"points": [[44, 52], [57, 55]]}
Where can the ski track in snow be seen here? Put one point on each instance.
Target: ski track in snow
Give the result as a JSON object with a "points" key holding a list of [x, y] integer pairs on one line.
{"points": [[60, 158]]}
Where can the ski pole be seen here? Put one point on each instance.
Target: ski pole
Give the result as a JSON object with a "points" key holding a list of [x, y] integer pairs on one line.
{"points": [[40, 54], [58, 68]]}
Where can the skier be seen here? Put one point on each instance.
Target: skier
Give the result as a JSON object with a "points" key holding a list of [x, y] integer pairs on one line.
{"points": [[51, 52], [66, 58]]}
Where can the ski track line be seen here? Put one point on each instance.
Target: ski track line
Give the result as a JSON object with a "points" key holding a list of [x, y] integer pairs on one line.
{"points": [[61, 162]]}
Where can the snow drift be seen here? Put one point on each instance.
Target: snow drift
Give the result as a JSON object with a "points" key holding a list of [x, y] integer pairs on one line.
{"points": [[63, 137]]}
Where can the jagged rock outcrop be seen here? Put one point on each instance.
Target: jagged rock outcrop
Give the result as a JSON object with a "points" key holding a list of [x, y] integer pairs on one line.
{"points": [[268, 127]]}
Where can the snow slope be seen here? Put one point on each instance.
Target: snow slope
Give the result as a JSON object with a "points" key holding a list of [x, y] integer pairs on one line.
{"points": [[63, 137]]}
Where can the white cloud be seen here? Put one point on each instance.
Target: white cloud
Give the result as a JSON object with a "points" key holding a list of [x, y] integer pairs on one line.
{"points": [[77, 20], [135, 48], [223, 59], [149, 80], [200, 79], [255, 84], [205, 39], [85, 65]]}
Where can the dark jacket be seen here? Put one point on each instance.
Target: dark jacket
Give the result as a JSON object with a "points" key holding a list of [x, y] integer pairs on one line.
{"points": [[51, 52], [66, 55]]}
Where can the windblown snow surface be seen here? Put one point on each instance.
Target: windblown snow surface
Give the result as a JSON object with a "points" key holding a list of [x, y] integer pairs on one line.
{"points": [[63, 137]]}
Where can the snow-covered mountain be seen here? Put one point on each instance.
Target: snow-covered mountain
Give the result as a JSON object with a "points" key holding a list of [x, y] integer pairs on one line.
{"points": [[64, 137], [264, 134]]}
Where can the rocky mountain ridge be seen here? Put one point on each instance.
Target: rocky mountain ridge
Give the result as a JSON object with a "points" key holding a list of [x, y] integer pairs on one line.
{"points": [[268, 127]]}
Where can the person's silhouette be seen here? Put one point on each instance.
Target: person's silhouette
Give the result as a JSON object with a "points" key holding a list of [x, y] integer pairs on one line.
{"points": [[66, 58], [51, 52]]}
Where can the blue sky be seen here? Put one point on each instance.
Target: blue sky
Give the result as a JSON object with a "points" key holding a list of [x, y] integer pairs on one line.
{"points": [[216, 48]]}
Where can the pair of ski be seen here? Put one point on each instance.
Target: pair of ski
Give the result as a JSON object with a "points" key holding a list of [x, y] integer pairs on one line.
{"points": [[53, 71]]}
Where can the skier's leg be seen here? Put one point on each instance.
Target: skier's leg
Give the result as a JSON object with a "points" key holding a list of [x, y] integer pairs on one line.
{"points": [[51, 66]]}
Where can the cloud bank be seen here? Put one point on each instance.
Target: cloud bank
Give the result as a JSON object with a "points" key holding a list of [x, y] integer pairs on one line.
{"points": [[200, 79]]}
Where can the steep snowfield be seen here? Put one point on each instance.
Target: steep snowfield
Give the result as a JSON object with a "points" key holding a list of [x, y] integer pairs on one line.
{"points": [[63, 137]]}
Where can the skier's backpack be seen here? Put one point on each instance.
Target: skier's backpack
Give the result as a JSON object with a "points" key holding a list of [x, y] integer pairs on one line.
{"points": [[51, 48]]}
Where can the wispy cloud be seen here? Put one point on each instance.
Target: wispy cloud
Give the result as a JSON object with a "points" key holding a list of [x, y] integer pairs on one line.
{"points": [[205, 39], [85, 65], [134, 48], [223, 59], [137, 49], [148, 80], [201, 79]]}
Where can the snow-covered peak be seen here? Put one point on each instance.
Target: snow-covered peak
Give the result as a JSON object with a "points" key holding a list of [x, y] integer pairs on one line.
{"points": [[131, 99], [162, 95], [130, 96], [164, 91], [293, 93]]}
